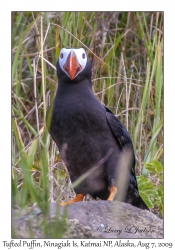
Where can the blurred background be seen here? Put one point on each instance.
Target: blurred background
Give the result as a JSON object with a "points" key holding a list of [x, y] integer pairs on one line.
{"points": [[126, 51]]}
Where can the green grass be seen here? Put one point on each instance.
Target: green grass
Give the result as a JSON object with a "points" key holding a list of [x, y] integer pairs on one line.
{"points": [[126, 50]]}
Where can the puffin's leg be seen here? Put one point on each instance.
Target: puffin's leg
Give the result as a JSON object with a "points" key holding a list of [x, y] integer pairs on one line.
{"points": [[79, 197], [113, 191]]}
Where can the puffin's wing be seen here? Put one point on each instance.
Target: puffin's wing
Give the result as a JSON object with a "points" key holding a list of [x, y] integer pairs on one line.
{"points": [[124, 140], [118, 129]]}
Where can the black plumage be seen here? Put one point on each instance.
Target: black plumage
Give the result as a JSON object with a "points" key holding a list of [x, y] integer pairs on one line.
{"points": [[85, 130]]}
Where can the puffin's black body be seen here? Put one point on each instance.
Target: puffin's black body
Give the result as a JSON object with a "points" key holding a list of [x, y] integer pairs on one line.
{"points": [[85, 130]]}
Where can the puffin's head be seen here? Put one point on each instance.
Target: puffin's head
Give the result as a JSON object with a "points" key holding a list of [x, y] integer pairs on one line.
{"points": [[73, 64]]}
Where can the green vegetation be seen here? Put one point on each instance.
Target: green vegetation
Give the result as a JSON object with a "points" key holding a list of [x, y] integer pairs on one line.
{"points": [[126, 50]]}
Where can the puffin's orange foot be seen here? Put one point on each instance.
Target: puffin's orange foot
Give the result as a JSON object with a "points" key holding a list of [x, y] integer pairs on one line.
{"points": [[113, 191], [79, 197]]}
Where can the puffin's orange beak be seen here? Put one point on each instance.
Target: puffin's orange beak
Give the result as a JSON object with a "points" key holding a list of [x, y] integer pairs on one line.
{"points": [[72, 66]]}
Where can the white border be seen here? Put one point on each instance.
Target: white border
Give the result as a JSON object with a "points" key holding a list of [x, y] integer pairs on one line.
{"points": [[5, 95]]}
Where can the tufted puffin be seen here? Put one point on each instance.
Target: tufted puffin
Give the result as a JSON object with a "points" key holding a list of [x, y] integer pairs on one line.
{"points": [[85, 130]]}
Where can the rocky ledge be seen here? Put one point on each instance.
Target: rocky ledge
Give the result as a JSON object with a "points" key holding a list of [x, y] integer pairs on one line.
{"points": [[88, 219]]}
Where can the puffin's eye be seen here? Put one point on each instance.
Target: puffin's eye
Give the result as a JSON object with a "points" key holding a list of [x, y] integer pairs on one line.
{"points": [[61, 55], [83, 55]]}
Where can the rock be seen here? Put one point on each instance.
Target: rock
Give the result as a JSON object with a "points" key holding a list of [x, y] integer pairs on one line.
{"points": [[87, 219]]}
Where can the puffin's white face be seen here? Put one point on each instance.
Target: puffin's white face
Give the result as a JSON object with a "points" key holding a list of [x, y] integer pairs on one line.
{"points": [[72, 61]]}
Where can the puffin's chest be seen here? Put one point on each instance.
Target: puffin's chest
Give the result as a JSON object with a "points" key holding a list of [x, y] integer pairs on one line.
{"points": [[78, 120]]}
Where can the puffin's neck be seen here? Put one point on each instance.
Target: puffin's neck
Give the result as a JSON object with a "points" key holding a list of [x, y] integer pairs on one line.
{"points": [[82, 87]]}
